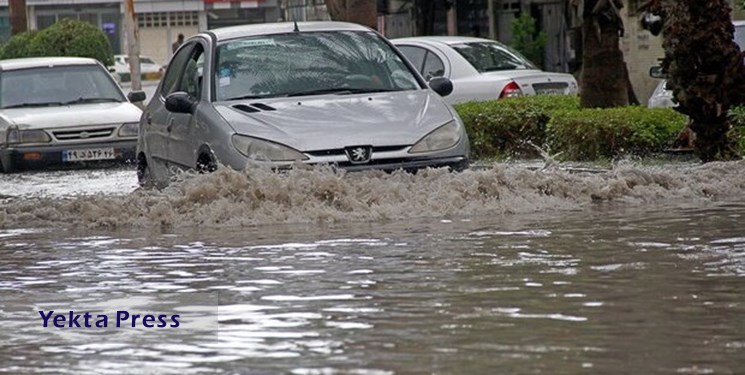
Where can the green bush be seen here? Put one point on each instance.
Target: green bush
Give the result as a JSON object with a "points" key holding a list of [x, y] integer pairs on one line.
{"points": [[502, 128], [64, 38], [18, 46], [527, 40], [590, 134], [737, 118]]}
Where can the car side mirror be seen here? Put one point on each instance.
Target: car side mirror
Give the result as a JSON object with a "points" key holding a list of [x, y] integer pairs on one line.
{"points": [[136, 96], [441, 85], [657, 72], [179, 102]]}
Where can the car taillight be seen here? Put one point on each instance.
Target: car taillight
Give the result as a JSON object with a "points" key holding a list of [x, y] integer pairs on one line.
{"points": [[511, 90]]}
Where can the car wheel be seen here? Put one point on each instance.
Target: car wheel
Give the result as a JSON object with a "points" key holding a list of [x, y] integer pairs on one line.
{"points": [[6, 167], [205, 164], [144, 173]]}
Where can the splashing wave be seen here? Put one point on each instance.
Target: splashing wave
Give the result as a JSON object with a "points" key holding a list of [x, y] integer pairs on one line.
{"points": [[253, 197]]}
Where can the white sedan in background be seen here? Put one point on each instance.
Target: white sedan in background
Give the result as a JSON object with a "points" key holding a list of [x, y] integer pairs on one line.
{"points": [[481, 69], [149, 69]]}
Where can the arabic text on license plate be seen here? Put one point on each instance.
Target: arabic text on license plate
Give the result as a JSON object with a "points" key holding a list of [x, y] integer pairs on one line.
{"points": [[88, 154]]}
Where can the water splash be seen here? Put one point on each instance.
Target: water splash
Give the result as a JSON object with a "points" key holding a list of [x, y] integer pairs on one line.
{"points": [[257, 196]]}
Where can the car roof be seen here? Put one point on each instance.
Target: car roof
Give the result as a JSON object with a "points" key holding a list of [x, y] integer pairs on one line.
{"points": [[739, 23], [37, 62], [242, 31], [444, 39]]}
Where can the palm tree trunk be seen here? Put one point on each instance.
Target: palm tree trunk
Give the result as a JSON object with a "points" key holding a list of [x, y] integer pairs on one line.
{"points": [[604, 82], [363, 12]]}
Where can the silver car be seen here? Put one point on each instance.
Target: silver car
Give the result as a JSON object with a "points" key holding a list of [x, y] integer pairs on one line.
{"points": [[277, 94], [63, 110], [481, 69]]}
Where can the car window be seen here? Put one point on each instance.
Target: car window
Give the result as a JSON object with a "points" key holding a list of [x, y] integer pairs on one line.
{"points": [[492, 56], [433, 66], [309, 63], [58, 85], [175, 68], [191, 80], [415, 55]]}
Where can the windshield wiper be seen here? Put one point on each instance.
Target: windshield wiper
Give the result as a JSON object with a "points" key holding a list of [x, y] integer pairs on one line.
{"points": [[91, 100], [244, 97], [40, 104], [339, 91]]}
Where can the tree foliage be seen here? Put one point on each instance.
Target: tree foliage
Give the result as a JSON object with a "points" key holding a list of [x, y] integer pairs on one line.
{"points": [[64, 38], [705, 70], [527, 40]]}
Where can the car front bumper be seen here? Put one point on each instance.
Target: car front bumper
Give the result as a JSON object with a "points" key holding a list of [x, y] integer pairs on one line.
{"points": [[25, 157]]}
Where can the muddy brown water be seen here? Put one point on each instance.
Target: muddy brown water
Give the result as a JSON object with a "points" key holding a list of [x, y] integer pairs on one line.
{"points": [[506, 270]]}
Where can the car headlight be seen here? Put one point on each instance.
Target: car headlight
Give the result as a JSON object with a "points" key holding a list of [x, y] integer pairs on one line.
{"points": [[129, 129], [16, 136], [260, 150], [442, 138]]}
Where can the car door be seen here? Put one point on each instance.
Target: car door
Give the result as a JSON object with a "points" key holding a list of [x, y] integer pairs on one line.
{"points": [[156, 118], [182, 140]]}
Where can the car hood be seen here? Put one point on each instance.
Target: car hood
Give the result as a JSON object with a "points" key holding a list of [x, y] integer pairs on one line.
{"points": [[72, 115], [327, 122]]}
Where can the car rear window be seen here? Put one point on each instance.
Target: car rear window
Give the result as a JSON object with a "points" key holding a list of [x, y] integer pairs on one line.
{"points": [[491, 56]]}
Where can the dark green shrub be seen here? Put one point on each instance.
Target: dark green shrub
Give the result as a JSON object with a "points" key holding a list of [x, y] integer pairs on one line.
{"points": [[501, 128], [737, 119], [590, 134], [64, 38], [527, 40], [18, 46]]}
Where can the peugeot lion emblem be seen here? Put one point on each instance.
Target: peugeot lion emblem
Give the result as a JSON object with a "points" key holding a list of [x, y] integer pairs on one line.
{"points": [[359, 154]]}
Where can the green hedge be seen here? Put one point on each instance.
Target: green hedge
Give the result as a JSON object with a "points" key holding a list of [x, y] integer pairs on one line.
{"points": [[737, 118], [590, 134], [64, 38], [504, 128], [501, 128]]}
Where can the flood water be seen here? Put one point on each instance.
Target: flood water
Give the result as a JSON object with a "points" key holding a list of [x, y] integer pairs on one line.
{"points": [[506, 270]]}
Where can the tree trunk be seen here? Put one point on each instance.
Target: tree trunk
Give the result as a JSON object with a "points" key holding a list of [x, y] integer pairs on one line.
{"points": [[18, 18], [363, 12], [603, 79], [706, 73]]}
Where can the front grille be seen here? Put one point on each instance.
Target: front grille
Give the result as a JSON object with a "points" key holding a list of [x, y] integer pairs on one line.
{"points": [[340, 151], [70, 135]]}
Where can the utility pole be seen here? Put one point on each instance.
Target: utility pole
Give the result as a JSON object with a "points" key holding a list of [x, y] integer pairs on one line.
{"points": [[133, 44], [18, 21]]}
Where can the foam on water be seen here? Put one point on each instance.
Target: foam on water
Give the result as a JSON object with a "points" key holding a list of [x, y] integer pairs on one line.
{"points": [[256, 196]]}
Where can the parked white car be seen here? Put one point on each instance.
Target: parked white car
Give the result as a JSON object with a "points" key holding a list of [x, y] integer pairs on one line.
{"points": [[61, 111], [481, 69], [149, 69], [662, 97]]}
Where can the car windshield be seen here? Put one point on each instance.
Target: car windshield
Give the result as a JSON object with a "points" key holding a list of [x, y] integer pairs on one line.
{"points": [[57, 85], [490, 57], [295, 64]]}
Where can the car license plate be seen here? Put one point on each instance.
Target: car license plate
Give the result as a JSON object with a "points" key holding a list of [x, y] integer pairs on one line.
{"points": [[550, 92], [85, 154]]}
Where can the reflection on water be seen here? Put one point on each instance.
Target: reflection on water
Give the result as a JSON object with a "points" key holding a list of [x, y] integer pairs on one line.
{"points": [[605, 290]]}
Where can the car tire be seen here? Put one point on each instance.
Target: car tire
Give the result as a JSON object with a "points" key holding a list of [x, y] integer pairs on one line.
{"points": [[206, 164], [6, 168], [144, 173]]}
